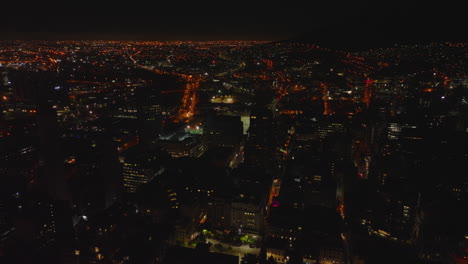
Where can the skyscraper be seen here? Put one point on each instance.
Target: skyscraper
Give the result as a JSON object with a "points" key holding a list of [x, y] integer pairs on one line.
{"points": [[140, 165], [49, 155], [260, 146], [148, 99]]}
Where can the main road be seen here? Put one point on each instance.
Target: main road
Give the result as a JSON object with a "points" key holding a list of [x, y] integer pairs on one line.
{"points": [[192, 85]]}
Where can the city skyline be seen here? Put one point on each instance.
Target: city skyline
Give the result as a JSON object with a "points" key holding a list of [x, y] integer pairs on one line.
{"points": [[249, 133]]}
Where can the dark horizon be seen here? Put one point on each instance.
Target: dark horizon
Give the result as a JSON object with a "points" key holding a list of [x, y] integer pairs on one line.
{"points": [[352, 23]]}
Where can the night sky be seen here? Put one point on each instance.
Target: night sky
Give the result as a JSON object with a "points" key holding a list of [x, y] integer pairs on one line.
{"points": [[200, 20]]}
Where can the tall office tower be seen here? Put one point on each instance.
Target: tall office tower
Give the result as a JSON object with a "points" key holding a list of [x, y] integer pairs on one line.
{"points": [[49, 155], [248, 203], [56, 210], [260, 148], [134, 175], [55, 222], [17, 169], [110, 172], [93, 167], [148, 99], [140, 165]]}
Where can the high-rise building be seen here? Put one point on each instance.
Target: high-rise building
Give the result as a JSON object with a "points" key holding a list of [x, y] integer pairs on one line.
{"points": [[329, 127], [139, 166], [49, 154], [183, 145], [249, 199], [93, 167], [148, 100], [134, 175], [395, 129], [260, 148], [219, 211], [247, 215]]}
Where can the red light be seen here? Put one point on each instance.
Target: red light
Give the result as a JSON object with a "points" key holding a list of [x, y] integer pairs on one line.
{"points": [[275, 204], [368, 82]]}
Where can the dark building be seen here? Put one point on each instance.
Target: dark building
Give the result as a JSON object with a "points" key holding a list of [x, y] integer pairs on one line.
{"points": [[260, 147], [50, 159], [182, 145], [219, 211], [148, 106], [139, 166], [93, 169], [223, 131], [6, 89], [312, 235]]}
